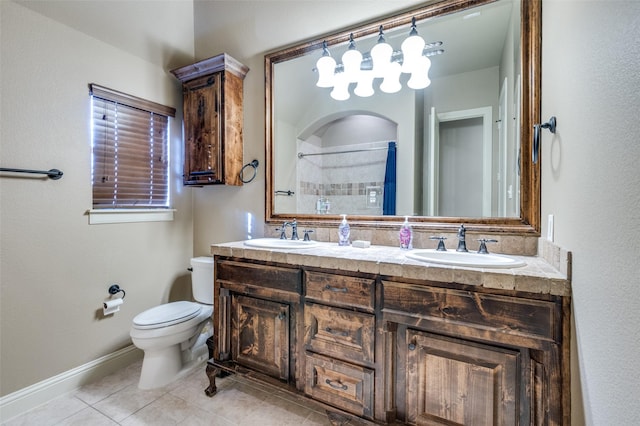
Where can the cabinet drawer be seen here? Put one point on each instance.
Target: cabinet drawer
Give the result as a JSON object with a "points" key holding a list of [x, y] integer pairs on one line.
{"points": [[339, 384], [341, 290], [471, 313], [247, 274], [339, 333]]}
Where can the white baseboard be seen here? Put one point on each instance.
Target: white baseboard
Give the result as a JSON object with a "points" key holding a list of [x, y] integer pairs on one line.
{"points": [[25, 399]]}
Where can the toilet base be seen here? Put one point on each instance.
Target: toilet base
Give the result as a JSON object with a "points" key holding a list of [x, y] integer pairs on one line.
{"points": [[160, 367], [163, 366]]}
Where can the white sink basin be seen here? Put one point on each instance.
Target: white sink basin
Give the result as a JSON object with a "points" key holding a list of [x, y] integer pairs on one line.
{"points": [[456, 258], [276, 243]]}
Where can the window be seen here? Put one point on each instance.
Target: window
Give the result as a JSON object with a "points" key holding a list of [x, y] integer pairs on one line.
{"points": [[130, 151]]}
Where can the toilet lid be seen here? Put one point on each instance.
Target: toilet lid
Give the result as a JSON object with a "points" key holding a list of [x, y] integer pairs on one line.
{"points": [[167, 314]]}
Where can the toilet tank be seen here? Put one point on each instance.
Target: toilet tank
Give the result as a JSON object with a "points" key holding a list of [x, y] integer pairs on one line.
{"points": [[202, 279]]}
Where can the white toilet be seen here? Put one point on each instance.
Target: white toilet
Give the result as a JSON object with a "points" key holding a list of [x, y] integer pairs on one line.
{"points": [[173, 336]]}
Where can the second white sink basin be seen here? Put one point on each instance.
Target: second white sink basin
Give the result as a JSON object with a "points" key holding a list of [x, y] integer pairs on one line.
{"points": [[276, 243], [456, 258]]}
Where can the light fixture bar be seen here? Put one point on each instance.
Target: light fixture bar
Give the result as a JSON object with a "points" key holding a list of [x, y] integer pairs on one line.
{"points": [[382, 62], [396, 56]]}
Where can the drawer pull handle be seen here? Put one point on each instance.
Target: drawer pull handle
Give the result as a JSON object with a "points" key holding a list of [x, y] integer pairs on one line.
{"points": [[448, 310], [335, 289], [337, 384], [336, 332]]}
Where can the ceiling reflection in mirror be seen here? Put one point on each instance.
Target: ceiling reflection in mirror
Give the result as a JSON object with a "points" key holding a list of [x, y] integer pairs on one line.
{"points": [[451, 149]]}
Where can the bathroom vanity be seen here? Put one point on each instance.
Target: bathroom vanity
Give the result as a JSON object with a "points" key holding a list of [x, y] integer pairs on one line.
{"points": [[373, 335]]}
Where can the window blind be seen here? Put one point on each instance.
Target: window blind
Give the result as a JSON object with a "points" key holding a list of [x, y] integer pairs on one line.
{"points": [[130, 151]]}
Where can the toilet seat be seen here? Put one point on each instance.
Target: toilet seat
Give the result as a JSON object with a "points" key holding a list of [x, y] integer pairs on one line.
{"points": [[166, 315]]}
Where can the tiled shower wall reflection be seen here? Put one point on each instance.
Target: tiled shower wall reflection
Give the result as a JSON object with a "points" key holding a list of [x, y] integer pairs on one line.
{"points": [[350, 182]]}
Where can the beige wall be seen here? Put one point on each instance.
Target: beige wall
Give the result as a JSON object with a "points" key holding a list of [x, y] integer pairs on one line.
{"points": [[589, 175], [55, 268], [591, 183]]}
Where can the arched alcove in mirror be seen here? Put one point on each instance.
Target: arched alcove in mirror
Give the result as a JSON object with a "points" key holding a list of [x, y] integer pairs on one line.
{"points": [[342, 163]]}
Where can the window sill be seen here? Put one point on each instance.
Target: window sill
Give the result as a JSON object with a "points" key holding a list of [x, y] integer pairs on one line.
{"points": [[101, 216]]}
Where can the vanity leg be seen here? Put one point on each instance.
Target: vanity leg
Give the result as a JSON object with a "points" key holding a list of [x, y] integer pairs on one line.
{"points": [[212, 371], [210, 344]]}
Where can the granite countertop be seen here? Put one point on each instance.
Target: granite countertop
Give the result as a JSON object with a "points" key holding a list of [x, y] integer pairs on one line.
{"points": [[537, 276]]}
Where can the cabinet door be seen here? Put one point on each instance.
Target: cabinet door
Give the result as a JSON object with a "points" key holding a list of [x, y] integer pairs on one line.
{"points": [[456, 382], [202, 130], [260, 335]]}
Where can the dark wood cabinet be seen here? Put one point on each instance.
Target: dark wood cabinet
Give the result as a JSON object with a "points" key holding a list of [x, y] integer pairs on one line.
{"points": [[260, 335], [213, 120], [469, 356], [391, 350], [255, 318], [339, 341], [453, 381]]}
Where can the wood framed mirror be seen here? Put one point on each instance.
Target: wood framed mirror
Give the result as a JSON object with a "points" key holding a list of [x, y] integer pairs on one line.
{"points": [[299, 115]]}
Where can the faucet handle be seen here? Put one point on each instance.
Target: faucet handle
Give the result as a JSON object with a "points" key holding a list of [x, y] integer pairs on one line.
{"points": [[441, 239], [306, 234], [283, 230], [483, 245]]}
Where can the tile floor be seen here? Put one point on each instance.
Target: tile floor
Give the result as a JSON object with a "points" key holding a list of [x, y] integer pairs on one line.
{"points": [[116, 400]]}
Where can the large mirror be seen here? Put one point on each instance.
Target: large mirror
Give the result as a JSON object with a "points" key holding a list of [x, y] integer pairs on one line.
{"points": [[456, 151]]}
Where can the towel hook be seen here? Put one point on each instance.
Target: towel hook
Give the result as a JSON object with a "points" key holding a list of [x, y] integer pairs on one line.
{"points": [[551, 125], [253, 164]]}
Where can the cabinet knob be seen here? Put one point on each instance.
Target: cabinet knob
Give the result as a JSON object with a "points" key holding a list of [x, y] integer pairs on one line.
{"points": [[412, 346], [281, 316]]}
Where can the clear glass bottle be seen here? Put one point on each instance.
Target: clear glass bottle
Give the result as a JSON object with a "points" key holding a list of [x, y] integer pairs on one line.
{"points": [[344, 231], [406, 235]]}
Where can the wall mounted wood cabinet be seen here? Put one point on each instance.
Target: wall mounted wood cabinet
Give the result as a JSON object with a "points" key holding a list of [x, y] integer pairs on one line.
{"points": [[213, 120], [393, 350]]}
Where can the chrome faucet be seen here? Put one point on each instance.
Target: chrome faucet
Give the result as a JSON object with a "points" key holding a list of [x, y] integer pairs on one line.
{"points": [[294, 230], [462, 243]]}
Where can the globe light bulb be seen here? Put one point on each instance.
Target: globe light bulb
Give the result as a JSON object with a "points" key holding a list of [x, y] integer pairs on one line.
{"points": [[326, 67], [420, 74], [340, 90], [351, 60], [391, 82], [381, 55], [365, 84], [412, 49]]}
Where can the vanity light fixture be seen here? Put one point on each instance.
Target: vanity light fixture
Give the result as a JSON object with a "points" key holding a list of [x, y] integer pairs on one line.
{"points": [[381, 63]]}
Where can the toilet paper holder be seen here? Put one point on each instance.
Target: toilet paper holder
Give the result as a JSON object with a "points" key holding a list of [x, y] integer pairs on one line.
{"points": [[115, 289]]}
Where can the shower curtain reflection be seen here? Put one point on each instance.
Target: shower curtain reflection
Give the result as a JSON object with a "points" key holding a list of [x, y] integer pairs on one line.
{"points": [[389, 201], [335, 182]]}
